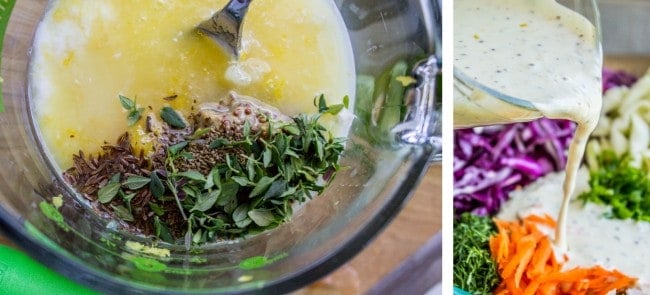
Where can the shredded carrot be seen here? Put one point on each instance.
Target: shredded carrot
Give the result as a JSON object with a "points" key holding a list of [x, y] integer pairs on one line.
{"points": [[528, 266], [538, 264]]}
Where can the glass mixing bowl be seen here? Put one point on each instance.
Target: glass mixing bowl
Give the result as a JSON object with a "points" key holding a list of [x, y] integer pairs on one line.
{"points": [[385, 157]]}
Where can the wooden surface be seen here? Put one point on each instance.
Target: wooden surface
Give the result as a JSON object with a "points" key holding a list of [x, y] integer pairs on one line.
{"points": [[636, 65], [418, 222]]}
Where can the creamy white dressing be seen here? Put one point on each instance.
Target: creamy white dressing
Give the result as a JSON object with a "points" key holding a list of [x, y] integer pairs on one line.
{"points": [[595, 240], [537, 51]]}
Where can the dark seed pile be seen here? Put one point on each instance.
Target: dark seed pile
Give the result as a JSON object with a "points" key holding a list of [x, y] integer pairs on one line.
{"points": [[90, 173]]}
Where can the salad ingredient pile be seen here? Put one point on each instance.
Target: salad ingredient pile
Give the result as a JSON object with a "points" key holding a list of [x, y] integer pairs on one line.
{"points": [[615, 188]]}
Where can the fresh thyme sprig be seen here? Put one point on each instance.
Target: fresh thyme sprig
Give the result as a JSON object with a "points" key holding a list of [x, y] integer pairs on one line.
{"points": [[134, 112]]}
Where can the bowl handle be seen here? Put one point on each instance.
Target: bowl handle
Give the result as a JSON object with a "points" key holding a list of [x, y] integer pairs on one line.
{"points": [[422, 123]]}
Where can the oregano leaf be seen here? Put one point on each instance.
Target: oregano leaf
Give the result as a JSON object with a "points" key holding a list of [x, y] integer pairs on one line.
{"points": [[261, 217], [156, 186], [171, 117], [136, 182], [108, 192]]}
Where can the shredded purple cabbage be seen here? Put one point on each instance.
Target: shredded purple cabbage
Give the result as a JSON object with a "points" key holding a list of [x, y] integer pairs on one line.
{"points": [[613, 78], [492, 161]]}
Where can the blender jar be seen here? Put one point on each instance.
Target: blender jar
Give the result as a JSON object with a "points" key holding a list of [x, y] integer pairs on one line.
{"points": [[395, 135]]}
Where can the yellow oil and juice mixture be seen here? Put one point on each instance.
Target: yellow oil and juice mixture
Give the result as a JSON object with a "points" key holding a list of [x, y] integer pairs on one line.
{"points": [[86, 53]]}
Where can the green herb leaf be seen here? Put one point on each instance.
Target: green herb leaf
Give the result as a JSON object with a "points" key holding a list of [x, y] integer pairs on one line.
{"points": [[136, 182], [262, 186], [175, 149], [233, 165], [322, 104], [209, 179], [171, 117], [290, 192], [127, 199], [243, 223], [135, 113], [335, 109], [323, 108], [267, 157], [219, 142], [191, 191], [240, 213], [198, 236], [115, 178], [123, 213], [320, 150], [198, 133], [275, 190], [291, 129], [242, 181], [261, 217], [228, 193], [156, 186], [134, 116], [291, 153], [52, 213], [162, 231], [250, 168], [156, 209], [206, 201], [193, 175], [127, 103], [108, 192]]}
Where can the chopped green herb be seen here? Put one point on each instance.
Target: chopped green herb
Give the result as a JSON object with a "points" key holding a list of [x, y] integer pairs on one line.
{"points": [[474, 269], [614, 182]]}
